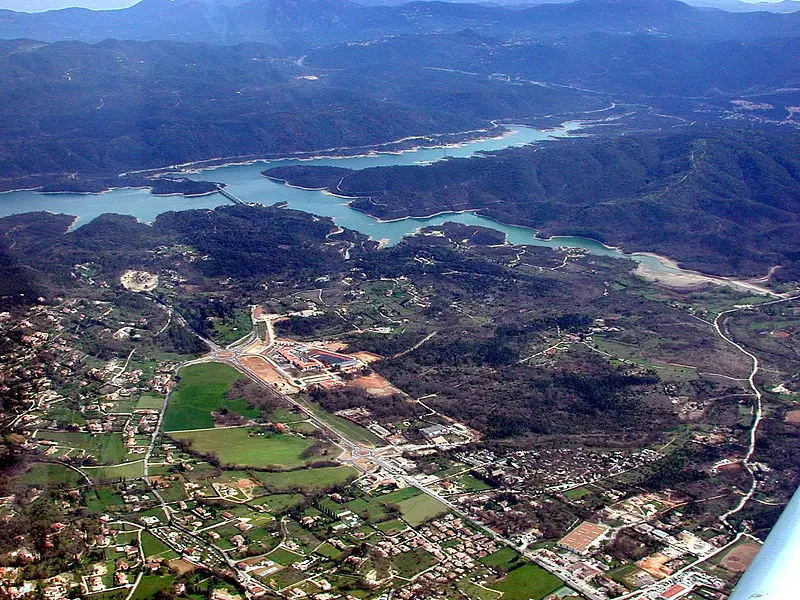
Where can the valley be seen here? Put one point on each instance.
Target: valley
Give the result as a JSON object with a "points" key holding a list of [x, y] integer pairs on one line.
{"points": [[381, 300], [339, 436]]}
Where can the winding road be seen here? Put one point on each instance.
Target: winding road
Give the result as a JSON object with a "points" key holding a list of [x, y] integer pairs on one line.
{"points": [[722, 332]]}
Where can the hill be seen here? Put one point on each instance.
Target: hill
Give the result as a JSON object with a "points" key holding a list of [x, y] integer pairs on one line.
{"points": [[98, 110], [74, 116], [314, 21]]}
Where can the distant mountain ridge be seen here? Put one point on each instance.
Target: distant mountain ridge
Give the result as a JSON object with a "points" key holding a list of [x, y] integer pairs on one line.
{"points": [[785, 6], [331, 21]]}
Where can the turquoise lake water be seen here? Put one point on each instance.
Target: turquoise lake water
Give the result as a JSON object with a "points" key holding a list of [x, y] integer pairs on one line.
{"points": [[246, 182]]}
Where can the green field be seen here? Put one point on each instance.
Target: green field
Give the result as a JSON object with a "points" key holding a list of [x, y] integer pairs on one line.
{"points": [[621, 574], [44, 474], [411, 563], [149, 401], [505, 559], [150, 585], [203, 389], [106, 448], [230, 330], [244, 447], [133, 470], [99, 499], [392, 527], [277, 503], [62, 414], [304, 427], [530, 582], [419, 509], [329, 551], [307, 480], [473, 590], [577, 493], [369, 509], [152, 546], [284, 557], [473, 484], [399, 495]]}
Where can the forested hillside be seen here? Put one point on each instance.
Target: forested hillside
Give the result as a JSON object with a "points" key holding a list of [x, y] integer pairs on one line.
{"points": [[724, 202]]}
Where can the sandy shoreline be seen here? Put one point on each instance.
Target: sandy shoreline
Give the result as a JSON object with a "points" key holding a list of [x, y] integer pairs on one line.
{"points": [[680, 278], [329, 153], [211, 164]]}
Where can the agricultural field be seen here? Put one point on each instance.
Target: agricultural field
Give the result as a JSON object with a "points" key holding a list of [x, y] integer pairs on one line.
{"points": [[307, 480], [246, 447], [149, 402], [44, 474], [419, 509], [203, 389], [529, 582], [106, 448]]}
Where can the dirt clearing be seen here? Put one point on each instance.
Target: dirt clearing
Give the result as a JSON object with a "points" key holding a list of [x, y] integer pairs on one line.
{"points": [[375, 385], [738, 559], [266, 372], [792, 417], [139, 281], [367, 357]]}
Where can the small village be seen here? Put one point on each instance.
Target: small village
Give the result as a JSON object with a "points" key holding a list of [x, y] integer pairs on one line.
{"points": [[354, 504]]}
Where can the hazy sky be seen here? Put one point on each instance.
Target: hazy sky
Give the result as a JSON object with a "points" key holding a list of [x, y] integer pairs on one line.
{"points": [[36, 5]]}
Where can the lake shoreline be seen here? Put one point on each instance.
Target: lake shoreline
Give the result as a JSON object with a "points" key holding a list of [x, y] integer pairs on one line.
{"points": [[474, 135], [660, 269]]}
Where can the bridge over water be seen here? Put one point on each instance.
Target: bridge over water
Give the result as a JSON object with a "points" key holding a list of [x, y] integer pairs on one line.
{"points": [[235, 199]]}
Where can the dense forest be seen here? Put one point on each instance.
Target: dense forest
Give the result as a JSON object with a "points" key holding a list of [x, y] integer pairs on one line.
{"points": [[251, 243]]}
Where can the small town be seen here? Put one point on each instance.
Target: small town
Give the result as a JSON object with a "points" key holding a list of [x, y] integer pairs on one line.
{"points": [[200, 501]]}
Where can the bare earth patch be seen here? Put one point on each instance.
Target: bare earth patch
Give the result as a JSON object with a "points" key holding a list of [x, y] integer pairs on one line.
{"points": [[738, 559], [375, 385], [181, 566], [655, 565], [139, 281], [792, 417], [265, 371], [367, 357], [332, 346]]}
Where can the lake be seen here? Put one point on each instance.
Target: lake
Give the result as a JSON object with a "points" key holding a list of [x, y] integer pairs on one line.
{"points": [[246, 182]]}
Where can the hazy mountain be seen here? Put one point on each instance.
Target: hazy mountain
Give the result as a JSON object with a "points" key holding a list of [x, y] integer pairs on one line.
{"points": [[786, 6], [327, 21]]}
